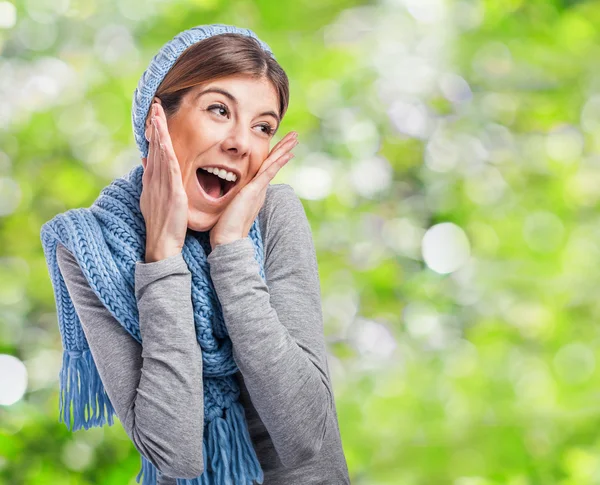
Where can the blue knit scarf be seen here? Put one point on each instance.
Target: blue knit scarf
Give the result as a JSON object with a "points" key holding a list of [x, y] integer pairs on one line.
{"points": [[107, 239]]}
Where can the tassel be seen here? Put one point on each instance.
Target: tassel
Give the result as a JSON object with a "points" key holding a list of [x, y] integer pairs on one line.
{"points": [[101, 410], [207, 477], [221, 459], [148, 471], [249, 468], [81, 389], [229, 457]]}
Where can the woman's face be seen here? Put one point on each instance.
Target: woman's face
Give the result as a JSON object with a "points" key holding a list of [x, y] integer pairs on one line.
{"points": [[226, 123]]}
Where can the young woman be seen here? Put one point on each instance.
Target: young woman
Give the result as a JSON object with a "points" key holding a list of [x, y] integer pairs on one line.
{"points": [[195, 282]]}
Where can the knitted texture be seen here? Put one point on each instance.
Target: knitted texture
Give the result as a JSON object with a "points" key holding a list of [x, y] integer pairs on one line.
{"points": [[160, 65], [107, 239]]}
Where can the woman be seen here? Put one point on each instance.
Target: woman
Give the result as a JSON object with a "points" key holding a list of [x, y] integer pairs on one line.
{"points": [[213, 273]]}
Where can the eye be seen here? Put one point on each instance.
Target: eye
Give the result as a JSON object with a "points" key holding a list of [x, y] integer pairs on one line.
{"points": [[267, 129], [221, 107]]}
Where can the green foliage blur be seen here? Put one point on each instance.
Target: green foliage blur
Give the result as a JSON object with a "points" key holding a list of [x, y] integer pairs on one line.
{"points": [[449, 165]]}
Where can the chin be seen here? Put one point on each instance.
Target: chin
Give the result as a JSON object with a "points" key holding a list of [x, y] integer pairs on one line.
{"points": [[201, 221]]}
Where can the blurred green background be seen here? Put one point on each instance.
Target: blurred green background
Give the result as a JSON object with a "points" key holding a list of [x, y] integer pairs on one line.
{"points": [[450, 168]]}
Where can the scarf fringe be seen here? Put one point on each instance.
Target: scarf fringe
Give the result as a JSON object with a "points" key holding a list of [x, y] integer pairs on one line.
{"points": [[82, 391], [148, 471], [229, 457]]}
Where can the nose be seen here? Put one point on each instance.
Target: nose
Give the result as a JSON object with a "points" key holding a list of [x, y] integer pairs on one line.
{"points": [[237, 142]]}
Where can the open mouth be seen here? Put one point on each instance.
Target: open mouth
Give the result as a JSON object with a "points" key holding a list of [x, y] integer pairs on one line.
{"points": [[214, 186]]}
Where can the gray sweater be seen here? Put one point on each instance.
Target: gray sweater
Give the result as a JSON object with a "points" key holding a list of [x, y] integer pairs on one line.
{"points": [[278, 344]]}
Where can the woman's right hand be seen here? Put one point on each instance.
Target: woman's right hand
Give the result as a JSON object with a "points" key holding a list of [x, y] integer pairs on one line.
{"points": [[163, 202]]}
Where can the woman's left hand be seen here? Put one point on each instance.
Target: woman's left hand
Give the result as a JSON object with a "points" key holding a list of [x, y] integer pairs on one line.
{"points": [[237, 219]]}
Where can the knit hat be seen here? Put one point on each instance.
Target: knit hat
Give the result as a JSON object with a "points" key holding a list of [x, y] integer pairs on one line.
{"points": [[160, 65]]}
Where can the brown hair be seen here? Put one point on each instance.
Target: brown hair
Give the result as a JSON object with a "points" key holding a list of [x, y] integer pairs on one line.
{"points": [[219, 56]]}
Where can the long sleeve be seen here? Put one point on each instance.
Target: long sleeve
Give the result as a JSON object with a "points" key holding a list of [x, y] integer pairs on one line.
{"points": [[277, 328], [156, 388]]}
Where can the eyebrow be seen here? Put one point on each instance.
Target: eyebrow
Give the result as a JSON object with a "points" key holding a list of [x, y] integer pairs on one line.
{"points": [[233, 99]]}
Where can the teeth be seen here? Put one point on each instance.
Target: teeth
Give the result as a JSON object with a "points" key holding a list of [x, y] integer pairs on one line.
{"points": [[224, 174]]}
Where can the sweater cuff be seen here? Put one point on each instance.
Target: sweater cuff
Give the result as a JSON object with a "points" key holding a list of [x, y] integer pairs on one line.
{"points": [[146, 273], [233, 248]]}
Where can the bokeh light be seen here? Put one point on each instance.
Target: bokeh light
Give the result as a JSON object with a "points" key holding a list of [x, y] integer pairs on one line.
{"points": [[449, 164], [13, 379], [445, 247]]}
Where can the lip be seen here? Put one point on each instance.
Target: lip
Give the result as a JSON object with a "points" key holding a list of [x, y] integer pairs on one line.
{"points": [[212, 201]]}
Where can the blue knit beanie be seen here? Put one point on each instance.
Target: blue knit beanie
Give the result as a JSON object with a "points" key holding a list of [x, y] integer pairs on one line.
{"points": [[160, 65]]}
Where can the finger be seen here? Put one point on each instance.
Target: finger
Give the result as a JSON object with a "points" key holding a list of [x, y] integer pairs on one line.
{"points": [[290, 135], [144, 171], [262, 180], [169, 168], [276, 154], [163, 131], [158, 165], [150, 156], [290, 138], [168, 156]]}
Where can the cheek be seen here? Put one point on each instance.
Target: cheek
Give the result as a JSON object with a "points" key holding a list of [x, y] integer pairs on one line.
{"points": [[260, 153], [196, 133], [256, 163]]}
